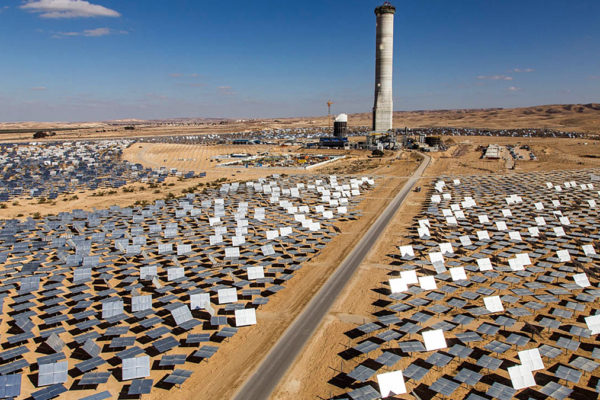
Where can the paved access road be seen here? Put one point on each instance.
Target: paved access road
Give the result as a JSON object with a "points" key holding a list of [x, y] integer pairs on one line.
{"points": [[275, 364]]}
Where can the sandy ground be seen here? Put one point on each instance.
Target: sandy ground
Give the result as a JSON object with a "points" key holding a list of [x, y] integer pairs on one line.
{"points": [[200, 158], [463, 158], [187, 156], [565, 117], [156, 155], [191, 158], [319, 361]]}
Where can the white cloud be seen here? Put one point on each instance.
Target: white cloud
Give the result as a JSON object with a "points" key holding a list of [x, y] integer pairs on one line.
{"points": [[65, 34], [496, 77], [180, 75], [523, 69], [514, 88], [68, 9], [38, 88], [225, 90], [191, 84], [97, 32]]}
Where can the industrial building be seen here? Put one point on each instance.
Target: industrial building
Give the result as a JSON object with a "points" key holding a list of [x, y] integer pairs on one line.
{"points": [[433, 141], [492, 152], [340, 126], [338, 142], [245, 141], [382, 136], [384, 52]]}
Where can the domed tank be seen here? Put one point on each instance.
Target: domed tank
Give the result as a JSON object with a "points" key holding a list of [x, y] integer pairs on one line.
{"points": [[340, 125]]}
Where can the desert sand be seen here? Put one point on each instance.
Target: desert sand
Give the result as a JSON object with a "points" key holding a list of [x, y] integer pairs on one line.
{"points": [[563, 117]]}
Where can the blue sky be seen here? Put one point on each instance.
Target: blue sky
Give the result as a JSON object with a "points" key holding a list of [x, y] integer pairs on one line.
{"points": [[75, 60]]}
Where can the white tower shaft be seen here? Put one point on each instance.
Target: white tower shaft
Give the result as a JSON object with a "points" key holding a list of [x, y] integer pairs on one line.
{"points": [[384, 52]]}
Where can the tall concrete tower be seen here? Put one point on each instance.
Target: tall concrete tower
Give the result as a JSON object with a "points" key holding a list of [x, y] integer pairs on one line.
{"points": [[384, 54]]}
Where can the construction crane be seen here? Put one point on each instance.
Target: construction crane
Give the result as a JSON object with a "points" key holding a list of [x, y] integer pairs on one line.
{"points": [[329, 103]]}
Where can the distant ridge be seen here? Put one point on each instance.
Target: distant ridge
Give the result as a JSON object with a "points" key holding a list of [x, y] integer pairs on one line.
{"points": [[566, 117]]}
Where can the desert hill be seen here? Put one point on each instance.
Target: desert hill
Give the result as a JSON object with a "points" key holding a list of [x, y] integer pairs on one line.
{"points": [[563, 117]]}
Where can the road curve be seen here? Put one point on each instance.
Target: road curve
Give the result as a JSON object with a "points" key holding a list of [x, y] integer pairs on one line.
{"points": [[263, 381]]}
